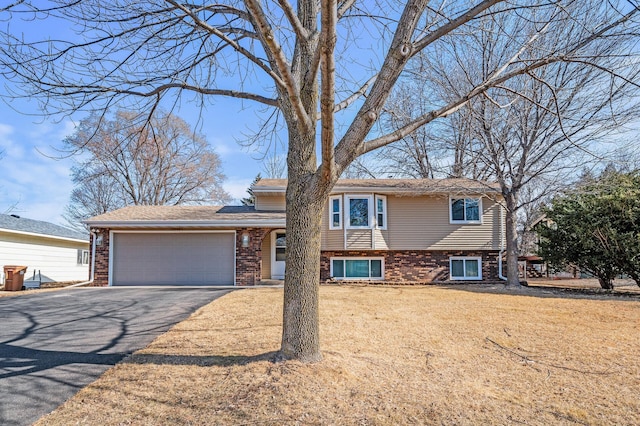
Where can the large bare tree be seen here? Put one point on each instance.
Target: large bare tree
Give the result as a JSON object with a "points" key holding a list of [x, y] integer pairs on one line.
{"points": [[139, 160], [327, 66], [435, 151], [533, 132]]}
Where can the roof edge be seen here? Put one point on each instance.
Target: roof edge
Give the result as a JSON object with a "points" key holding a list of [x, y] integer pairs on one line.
{"points": [[35, 234], [476, 186], [169, 223]]}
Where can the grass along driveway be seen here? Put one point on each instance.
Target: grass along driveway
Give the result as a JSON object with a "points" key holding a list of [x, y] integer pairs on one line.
{"points": [[419, 355]]}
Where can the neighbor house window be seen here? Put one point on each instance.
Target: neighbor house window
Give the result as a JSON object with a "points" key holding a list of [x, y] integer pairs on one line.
{"points": [[83, 257], [357, 268], [366, 211], [465, 210], [465, 268], [335, 212]]}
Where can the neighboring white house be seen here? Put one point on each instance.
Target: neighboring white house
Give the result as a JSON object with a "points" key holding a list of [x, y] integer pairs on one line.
{"points": [[53, 252]]}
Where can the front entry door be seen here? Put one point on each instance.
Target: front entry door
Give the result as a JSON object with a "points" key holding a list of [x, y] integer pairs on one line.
{"points": [[278, 252]]}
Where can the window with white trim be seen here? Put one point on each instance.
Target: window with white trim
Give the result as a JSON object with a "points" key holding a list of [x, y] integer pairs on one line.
{"points": [[335, 212], [354, 268], [465, 268], [83, 257], [465, 210], [358, 211], [381, 211], [365, 211]]}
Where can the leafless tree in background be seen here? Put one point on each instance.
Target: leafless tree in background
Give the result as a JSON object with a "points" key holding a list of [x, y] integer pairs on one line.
{"points": [[533, 132], [436, 151], [275, 167], [132, 160], [328, 66]]}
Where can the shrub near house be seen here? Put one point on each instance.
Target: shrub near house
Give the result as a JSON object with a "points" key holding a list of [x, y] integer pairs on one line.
{"points": [[596, 228]]}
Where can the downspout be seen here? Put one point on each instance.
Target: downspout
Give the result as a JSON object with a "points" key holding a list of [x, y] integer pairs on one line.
{"points": [[502, 247], [93, 262]]}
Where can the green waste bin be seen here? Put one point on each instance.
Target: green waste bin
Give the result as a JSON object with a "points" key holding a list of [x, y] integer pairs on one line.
{"points": [[14, 277]]}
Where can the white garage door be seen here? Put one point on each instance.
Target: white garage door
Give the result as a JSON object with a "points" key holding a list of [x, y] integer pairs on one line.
{"points": [[173, 258]]}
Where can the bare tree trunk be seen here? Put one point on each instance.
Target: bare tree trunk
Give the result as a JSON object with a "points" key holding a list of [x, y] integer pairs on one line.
{"points": [[606, 283], [305, 204], [512, 240], [636, 278], [300, 330]]}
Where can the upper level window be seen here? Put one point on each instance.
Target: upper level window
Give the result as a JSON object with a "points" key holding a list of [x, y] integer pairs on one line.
{"points": [[335, 212], [358, 211], [362, 211], [465, 210], [381, 212]]}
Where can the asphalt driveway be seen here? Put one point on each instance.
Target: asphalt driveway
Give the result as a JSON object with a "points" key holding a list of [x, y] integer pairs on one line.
{"points": [[53, 344]]}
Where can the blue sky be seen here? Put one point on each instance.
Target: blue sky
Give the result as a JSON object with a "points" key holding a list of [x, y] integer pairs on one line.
{"points": [[35, 177]]}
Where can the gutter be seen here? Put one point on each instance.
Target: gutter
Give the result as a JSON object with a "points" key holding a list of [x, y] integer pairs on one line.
{"points": [[502, 249], [187, 223], [93, 263], [500, 275], [388, 190]]}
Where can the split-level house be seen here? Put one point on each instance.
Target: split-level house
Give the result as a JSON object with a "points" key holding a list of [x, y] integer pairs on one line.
{"points": [[386, 230]]}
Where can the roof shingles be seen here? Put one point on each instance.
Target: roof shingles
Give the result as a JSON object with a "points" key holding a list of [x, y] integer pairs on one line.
{"points": [[185, 213], [21, 224], [415, 186]]}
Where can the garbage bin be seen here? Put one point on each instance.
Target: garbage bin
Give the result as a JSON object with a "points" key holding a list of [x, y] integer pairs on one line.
{"points": [[14, 277]]}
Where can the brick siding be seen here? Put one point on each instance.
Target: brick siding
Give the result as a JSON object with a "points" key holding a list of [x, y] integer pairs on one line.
{"points": [[249, 259], [101, 273], [415, 266], [400, 266]]}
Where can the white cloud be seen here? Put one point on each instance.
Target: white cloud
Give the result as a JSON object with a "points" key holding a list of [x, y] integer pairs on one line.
{"points": [[237, 188], [8, 146], [5, 131]]}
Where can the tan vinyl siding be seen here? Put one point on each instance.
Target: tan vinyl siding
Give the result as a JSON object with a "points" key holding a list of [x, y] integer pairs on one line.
{"points": [[359, 239], [422, 223], [266, 257], [381, 239], [331, 239], [270, 202]]}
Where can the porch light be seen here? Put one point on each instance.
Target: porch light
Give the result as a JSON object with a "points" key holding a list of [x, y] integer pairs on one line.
{"points": [[245, 240]]}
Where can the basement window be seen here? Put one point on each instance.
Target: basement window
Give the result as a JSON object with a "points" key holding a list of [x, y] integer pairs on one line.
{"points": [[343, 268], [465, 268]]}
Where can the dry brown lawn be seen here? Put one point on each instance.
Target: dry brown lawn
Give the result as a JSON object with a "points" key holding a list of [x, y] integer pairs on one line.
{"points": [[392, 356]]}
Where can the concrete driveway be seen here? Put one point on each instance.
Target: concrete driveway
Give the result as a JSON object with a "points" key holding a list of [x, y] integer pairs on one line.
{"points": [[53, 344]]}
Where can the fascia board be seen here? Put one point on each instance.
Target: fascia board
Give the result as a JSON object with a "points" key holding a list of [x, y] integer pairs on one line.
{"points": [[35, 234], [187, 223]]}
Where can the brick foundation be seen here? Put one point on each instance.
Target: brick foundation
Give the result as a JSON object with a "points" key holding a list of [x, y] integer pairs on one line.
{"points": [[415, 266]]}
